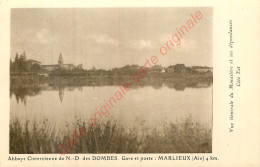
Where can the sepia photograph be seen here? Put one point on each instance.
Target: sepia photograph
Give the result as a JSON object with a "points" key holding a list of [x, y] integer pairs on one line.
{"points": [[111, 80]]}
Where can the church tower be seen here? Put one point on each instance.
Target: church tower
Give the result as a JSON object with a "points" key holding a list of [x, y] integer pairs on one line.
{"points": [[60, 61]]}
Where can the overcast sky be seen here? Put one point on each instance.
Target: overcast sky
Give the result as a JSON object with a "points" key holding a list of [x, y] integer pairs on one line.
{"points": [[110, 37]]}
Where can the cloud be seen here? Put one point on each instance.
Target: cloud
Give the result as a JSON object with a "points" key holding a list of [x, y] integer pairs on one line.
{"points": [[164, 38], [105, 39], [42, 36], [189, 44], [102, 39], [145, 43], [142, 44]]}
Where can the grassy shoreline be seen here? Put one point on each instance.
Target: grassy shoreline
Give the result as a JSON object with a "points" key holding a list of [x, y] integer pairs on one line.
{"points": [[180, 137]]}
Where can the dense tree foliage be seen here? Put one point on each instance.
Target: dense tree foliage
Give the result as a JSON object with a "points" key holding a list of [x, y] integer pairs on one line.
{"points": [[20, 64]]}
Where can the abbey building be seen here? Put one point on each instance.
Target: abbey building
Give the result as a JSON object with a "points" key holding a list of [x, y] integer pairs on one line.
{"points": [[60, 65]]}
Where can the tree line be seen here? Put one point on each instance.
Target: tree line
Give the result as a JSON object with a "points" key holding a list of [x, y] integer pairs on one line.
{"points": [[20, 64]]}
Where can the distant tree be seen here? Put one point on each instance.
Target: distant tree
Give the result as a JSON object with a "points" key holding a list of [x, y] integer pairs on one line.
{"points": [[79, 67], [179, 68], [16, 57], [11, 65], [23, 67], [15, 63], [191, 70], [93, 68], [20, 63], [156, 69], [23, 56]]}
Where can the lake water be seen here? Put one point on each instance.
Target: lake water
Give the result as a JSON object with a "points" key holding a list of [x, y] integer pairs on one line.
{"points": [[142, 107]]}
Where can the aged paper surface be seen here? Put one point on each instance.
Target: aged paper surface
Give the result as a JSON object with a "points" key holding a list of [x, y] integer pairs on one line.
{"points": [[130, 83]]}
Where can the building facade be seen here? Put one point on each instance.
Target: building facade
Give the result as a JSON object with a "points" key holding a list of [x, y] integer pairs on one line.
{"points": [[60, 65]]}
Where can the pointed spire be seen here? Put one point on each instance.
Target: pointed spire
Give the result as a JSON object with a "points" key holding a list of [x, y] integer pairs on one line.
{"points": [[61, 94], [60, 58]]}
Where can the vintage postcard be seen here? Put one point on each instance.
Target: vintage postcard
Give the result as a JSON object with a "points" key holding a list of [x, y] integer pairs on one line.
{"points": [[132, 84]]}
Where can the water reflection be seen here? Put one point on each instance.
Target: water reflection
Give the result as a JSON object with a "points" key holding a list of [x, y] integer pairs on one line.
{"points": [[21, 92], [61, 94], [154, 110]]}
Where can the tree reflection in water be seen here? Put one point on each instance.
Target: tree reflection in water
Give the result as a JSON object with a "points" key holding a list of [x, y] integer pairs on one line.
{"points": [[21, 91]]}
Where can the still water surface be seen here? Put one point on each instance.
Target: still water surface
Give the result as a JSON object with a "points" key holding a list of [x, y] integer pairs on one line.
{"points": [[144, 107]]}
